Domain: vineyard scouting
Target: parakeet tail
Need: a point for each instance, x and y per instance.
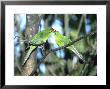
(76, 52)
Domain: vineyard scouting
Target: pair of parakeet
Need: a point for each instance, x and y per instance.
(42, 37)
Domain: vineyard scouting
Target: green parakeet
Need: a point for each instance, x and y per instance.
(63, 40)
(39, 38)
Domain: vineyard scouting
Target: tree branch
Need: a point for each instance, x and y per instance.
(62, 47)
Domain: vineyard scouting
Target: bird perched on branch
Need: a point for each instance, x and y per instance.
(38, 39)
(63, 40)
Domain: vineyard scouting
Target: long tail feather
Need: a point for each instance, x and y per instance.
(76, 52)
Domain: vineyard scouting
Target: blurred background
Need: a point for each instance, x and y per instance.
(62, 62)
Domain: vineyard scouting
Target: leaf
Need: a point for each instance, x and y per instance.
(63, 40)
(41, 37)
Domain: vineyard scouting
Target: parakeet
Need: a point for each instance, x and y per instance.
(39, 38)
(63, 40)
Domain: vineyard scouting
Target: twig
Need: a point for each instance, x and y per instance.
(84, 69)
(81, 23)
(44, 58)
(66, 24)
(51, 71)
(62, 47)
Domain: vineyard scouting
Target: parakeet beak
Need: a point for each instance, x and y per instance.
(54, 30)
